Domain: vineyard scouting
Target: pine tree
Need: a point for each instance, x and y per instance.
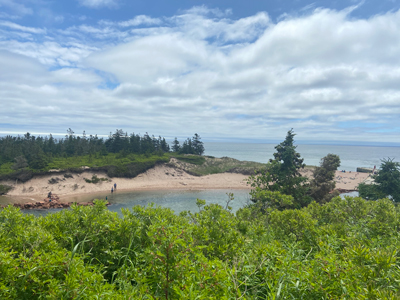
(198, 147)
(283, 175)
(175, 145)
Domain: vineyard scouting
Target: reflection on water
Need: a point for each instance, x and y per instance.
(176, 200)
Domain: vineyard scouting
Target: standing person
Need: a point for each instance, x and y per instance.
(115, 186)
(112, 190)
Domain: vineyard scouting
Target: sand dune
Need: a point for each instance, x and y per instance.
(159, 178)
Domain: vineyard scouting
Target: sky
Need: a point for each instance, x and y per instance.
(227, 70)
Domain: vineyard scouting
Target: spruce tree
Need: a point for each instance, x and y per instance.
(175, 145)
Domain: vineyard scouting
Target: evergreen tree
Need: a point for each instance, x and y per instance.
(282, 174)
(322, 183)
(387, 182)
(198, 147)
(187, 147)
(175, 145)
(20, 163)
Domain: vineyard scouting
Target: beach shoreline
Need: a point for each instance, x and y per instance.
(159, 178)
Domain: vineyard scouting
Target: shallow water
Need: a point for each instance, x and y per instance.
(176, 200)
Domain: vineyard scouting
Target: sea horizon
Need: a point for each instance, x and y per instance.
(351, 156)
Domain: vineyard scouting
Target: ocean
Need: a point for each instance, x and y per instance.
(351, 157)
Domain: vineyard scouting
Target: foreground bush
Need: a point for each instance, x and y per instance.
(346, 249)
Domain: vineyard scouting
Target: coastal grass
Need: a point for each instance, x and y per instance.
(114, 164)
(189, 158)
(131, 165)
(213, 165)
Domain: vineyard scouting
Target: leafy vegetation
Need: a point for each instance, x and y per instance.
(283, 246)
(200, 165)
(4, 189)
(386, 182)
(344, 249)
(191, 159)
(280, 184)
(322, 183)
(95, 179)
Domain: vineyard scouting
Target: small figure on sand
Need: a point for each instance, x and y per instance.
(115, 186)
(112, 190)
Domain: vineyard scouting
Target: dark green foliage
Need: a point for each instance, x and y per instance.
(198, 146)
(266, 199)
(388, 179)
(20, 163)
(54, 180)
(370, 191)
(282, 174)
(387, 182)
(95, 179)
(175, 146)
(190, 146)
(131, 170)
(119, 155)
(323, 179)
(22, 175)
(4, 189)
(192, 159)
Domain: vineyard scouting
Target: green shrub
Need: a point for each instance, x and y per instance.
(345, 249)
(4, 189)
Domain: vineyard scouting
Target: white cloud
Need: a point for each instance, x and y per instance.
(140, 20)
(235, 78)
(99, 3)
(204, 10)
(50, 53)
(17, 8)
(15, 26)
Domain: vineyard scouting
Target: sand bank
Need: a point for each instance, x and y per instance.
(161, 177)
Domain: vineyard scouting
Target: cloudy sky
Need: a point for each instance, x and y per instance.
(225, 69)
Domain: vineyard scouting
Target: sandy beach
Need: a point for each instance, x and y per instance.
(161, 177)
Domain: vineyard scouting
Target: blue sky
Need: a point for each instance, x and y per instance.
(224, 69)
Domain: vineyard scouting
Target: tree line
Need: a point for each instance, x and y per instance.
(36, 151)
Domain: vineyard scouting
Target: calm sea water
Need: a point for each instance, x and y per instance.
(351, 157)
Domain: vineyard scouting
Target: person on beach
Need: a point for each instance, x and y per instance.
(115, 186)
(112, 190)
